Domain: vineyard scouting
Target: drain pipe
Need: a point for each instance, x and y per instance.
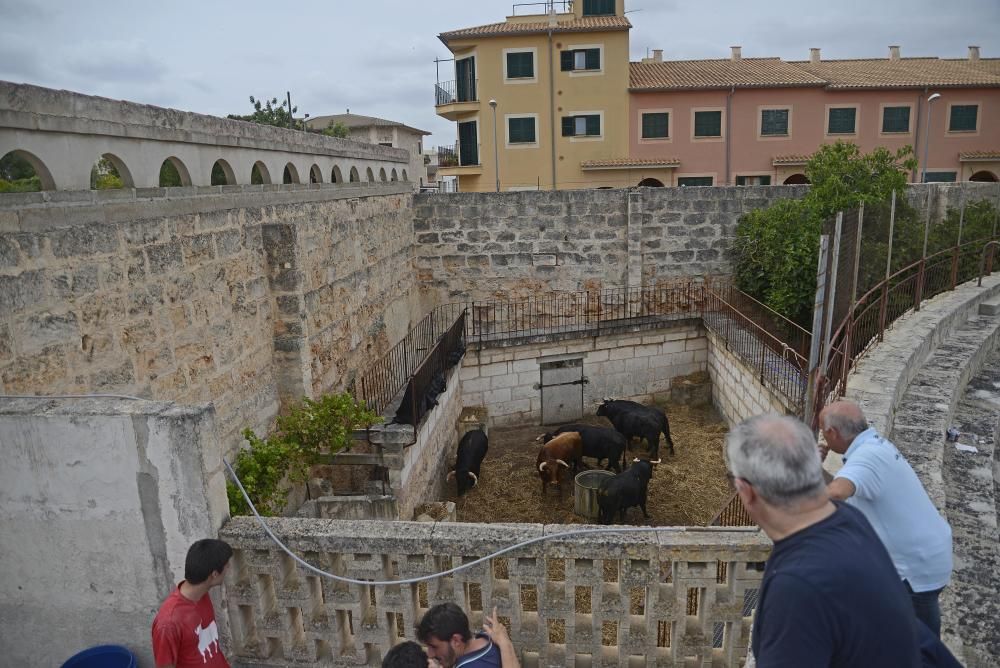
(729, 125)
(552, 99)
(916, 137)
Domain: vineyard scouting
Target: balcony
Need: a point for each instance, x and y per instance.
(459, 159)
(453, 99)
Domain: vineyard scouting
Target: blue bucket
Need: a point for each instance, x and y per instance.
(102, 656)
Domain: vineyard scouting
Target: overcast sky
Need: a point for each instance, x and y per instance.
(376, 57)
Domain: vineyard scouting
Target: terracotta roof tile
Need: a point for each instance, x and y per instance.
(790, 160)
(585, 24)
(695, 74)
(901, 73)
(626, 163)
(978, 156)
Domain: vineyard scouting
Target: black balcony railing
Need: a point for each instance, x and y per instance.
(458, 155)
(531, 8)
(459, 90)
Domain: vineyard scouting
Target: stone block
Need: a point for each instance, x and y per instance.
(496, 396)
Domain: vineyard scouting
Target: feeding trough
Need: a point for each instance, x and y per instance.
(585, 492)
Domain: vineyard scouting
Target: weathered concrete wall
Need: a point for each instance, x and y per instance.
(99, 501)
(485, 246)
(240, 297)
(736, 390)
(636, 365)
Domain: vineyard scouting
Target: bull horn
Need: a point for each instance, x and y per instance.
(655, 461)
(451, 474)
(541, 467)
(540, 438)
(636, 460)
(563, 463)
(475, 480)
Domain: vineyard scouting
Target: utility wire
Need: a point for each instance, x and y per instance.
(450, 571)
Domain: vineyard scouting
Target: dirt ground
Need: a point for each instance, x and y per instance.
(687, 488)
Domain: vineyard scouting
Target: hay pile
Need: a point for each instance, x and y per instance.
(687, 489)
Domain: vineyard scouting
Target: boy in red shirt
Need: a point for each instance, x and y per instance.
(184, 630)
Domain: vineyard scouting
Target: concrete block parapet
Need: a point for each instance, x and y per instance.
(537, 587)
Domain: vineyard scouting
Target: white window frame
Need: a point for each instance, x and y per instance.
(760, 121)
(722, 129)
(534, 65)
(857, 121)
(506, 131)
(656, 140)
(881, 118)
(586, 73)
(584, 138)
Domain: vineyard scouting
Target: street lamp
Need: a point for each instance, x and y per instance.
(496, 147)
(927, 132)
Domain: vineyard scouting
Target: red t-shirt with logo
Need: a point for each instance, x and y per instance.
(185, 633)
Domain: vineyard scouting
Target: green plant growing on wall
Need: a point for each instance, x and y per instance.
(308, 431)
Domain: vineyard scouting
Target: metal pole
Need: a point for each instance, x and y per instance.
(927, 131)
(817, 334)
(884, 297)
(923, 256)
(289, 94)
(496, 147)
(832, 298)
(958, 240)
(892, 224)
(848, 334)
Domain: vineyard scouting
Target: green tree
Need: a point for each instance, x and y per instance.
(337, 129)
(268, 112)
(17, 175)
(105, 176)
(169, 176)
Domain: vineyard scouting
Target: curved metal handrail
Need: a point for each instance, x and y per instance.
(982, 261)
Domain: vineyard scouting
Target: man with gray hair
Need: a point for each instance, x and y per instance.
(830, 595)
(877, 480)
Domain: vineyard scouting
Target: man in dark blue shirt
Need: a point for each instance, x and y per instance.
(830, 594)
(444, 629)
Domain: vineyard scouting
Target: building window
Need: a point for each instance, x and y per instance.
(598, 7)
(581, 126)
(753, 180)
(655, 125)
(385, 143)
(521, 130)
(520, 65)
(580, 59)
(773, 122)
(708, 124)
(694, 180)
(896, 119)
(842, 121)
(939, 177)
(963, 118)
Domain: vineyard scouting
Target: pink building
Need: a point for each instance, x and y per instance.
(756, 120)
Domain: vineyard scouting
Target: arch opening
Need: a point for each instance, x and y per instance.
(405, 177)
(984, 176)
(110, 173)
(290, 175)
(355, 177)
(371, 175)
(335, 175)
(173, 173)
(393, 176)
(23, 172)
(315, 176)
(381, 174)
(222, 174)
(259, 174)
(796, 180)
(650, 182)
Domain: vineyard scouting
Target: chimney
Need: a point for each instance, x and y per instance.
(737, 53)
(658, 55)
(814, 56)
(974, 54)
(893, 53)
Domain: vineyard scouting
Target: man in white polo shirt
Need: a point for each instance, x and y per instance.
(877, 480)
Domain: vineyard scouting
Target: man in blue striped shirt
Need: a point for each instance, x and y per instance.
(444, 629)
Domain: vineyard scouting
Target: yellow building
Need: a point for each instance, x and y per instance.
(561, 75)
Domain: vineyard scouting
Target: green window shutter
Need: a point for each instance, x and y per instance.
(598, 7)
(520, 65)
(741, 180)
(764, 180)
(694, 181)
(593, 125)
(593, 59)
(521, 130)
(940, 177)
(896, 119)
(708, 124)
(566, 61)
(569, 126)
(655, 125)
(774, 122)
(963, 118)
(841, 121)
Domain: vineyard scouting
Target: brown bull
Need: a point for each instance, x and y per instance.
(557, 454)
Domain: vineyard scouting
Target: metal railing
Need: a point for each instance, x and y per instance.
(452, 92)
(532, 8)
(458, 155)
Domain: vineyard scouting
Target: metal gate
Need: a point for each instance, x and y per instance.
(562, 390)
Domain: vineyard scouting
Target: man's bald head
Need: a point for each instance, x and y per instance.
(841, 423)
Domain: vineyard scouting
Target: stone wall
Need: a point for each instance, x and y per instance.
(239, 296)
(99, 501)
(637, 365)
(487, 246)
(736, 389)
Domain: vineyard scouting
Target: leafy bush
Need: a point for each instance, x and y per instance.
(29, 185)
(306, 433)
